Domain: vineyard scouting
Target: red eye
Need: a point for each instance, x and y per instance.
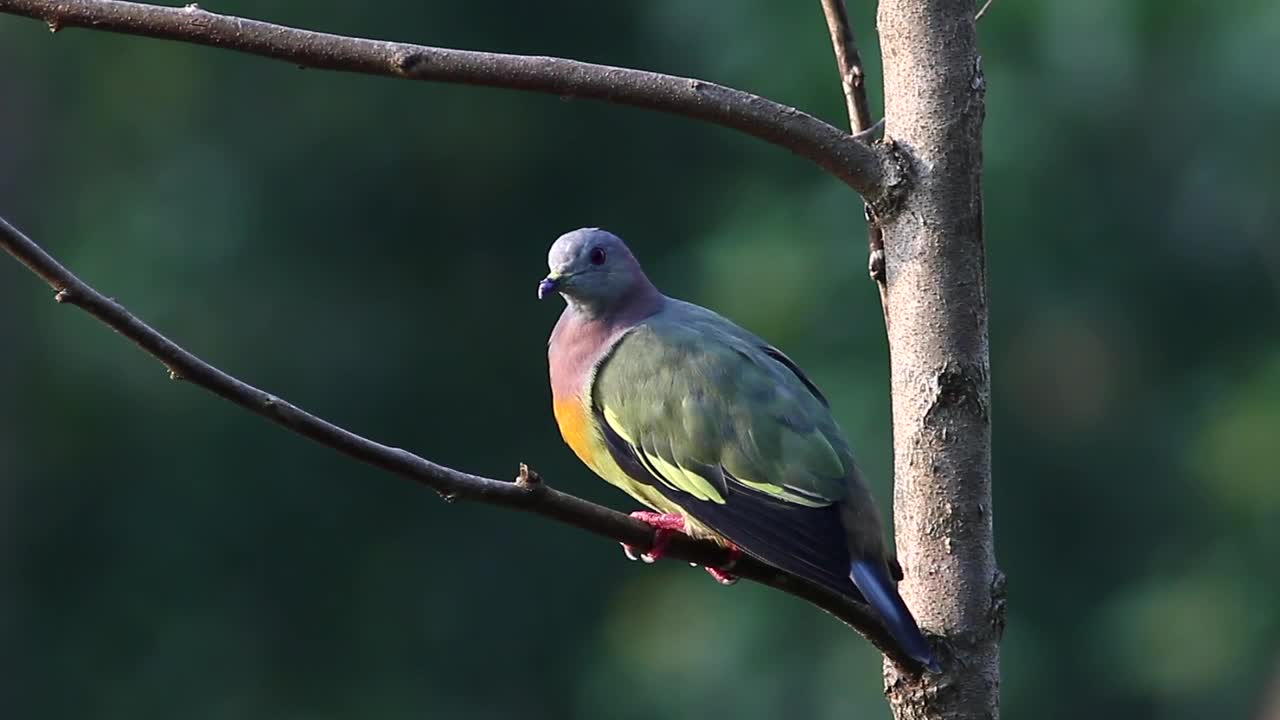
(597, 256)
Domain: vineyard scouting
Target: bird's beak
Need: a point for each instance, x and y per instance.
(547, 286)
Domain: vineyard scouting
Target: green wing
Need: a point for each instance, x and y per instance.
(709, 409)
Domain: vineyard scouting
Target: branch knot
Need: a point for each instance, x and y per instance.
(528, 479)
(410, 61)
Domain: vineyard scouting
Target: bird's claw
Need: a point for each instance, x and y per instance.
(664, 526)
(661, 537)
(722, 575)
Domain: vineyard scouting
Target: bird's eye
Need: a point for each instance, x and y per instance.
(597, 256)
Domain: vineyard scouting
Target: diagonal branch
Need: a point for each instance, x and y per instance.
(853, 162)
(854, 80)
(528, 493)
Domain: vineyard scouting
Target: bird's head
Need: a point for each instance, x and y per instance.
(594, 271)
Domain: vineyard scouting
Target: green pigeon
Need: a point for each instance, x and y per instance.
(715, 429)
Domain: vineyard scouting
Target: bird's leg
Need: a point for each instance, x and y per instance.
(663, 524)
(722, 576)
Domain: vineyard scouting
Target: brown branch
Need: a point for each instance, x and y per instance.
(849, 63)
(528, 492)
(852, 162)
(854, 81)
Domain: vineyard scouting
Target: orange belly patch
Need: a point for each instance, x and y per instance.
(575, 428)
(581, 436)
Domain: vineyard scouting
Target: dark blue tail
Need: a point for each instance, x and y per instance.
(880, 592)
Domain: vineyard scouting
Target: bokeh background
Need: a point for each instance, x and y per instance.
(369, 248)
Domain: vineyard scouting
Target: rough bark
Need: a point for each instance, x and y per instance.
(936, 312)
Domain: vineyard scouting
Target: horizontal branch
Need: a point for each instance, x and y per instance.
(528, 493)
(830, 148)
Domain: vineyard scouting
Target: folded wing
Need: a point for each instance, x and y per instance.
(728, 428)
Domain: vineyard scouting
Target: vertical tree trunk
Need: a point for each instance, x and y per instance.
(936, 312)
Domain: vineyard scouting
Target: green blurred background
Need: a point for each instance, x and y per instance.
(369, 249)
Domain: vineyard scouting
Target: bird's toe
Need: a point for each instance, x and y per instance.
(660, 521)
(661, 537)
(721, 576)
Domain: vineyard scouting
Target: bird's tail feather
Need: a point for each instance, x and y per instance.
(880, 592)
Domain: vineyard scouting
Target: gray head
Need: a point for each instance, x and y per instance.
(595, 272)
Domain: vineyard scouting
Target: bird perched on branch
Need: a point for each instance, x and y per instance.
(715, 429)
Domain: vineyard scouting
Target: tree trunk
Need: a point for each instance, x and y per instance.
(936, 312)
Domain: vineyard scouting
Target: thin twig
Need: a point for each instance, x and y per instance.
(849, 63)
(850, 161)
(529, 492)
(854, 81)
(983, 11)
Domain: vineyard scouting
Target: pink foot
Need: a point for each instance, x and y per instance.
(664, 525)
(661, 521)
(722, 576)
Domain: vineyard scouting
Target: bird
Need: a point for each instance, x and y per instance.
(715, 430)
